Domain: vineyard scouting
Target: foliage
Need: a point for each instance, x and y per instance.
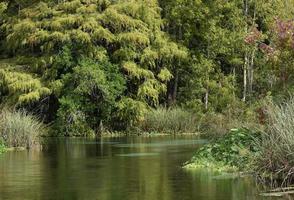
(97, 31)
(223, 65)
(119, 46)
(87, 64)
(237, 114)
(233, 151)
(20, 87)
(19, 129)
(89, 96)
(173, 120)
(130, 112)
(3, 7)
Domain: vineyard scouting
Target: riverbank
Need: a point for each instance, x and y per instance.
(268, 154)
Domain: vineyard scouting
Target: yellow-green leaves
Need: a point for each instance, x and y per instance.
(164, 75)
(3, 6)
(131, 111)
(22, 87)
(127, 33)
(102, 34)
(134, 38)
(120, 22)
(134, 70)
(150, 90)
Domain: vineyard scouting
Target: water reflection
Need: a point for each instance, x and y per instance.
(132, 168)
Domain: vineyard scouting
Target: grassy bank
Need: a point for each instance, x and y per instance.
(19, 129)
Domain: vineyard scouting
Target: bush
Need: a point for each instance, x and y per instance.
(235, 151)
(276, 160)
(173, 120)
(19, 129)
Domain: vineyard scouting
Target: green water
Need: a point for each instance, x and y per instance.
(126, 168)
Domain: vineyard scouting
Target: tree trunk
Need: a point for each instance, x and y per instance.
(206, 99)
(173, 90)
(245, 77)
(175, 87)
(245, 67)
(251, 63)
(251, 73)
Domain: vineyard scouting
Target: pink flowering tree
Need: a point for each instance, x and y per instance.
(280, 51)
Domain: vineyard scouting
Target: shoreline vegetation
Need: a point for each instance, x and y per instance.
(267, 154)
(19, 130)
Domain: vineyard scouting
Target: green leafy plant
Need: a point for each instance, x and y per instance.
(233, 151)
(90, 95)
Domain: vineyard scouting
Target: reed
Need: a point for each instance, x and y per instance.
(175, 120)
(19, 129)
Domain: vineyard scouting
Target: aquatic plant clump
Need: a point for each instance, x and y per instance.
(233, 152)
(19, 129)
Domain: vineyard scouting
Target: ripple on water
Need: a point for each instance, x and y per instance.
(137, 154)
(161, 144)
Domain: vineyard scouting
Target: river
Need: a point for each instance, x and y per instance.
(122, 168)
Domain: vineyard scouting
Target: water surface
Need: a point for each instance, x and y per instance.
(124, 168)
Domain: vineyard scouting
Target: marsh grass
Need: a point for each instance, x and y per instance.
(19, 129)
(276, 161)
(173, 120)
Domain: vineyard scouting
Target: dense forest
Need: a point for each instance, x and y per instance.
(86, 64)
(87, 67)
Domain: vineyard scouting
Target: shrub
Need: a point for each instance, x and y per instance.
(174, 120)
(19, 129)
(276, 160)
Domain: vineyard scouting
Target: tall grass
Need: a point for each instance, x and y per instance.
(164, 120)
(19, 129)
(276, 161)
